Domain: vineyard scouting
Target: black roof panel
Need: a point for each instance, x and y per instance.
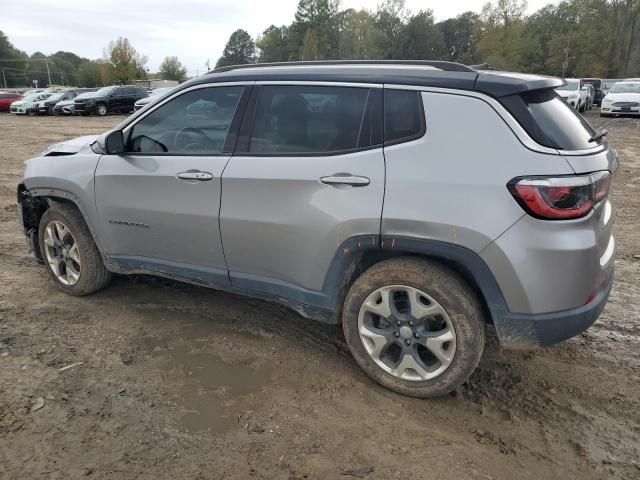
(422, 74)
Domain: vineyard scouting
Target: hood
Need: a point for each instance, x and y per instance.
(623, 97)
(65, 102)
(70, 146)
(19, 103)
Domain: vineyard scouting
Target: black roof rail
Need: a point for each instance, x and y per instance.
(442, 65)
(484, 66)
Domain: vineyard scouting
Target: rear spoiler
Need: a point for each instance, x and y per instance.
(502, 84)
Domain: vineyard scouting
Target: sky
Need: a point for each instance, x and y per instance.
(192, 30)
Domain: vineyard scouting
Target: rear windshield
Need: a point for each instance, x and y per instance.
(596, 83)
(550, 121)
(571, 85)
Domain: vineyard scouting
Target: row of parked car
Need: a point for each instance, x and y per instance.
(614, 97)
(78, 101)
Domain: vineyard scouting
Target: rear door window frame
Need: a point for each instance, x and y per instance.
(249, 121)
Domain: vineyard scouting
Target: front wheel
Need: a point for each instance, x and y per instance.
(414, 326)
(69, 252)
(101, 109)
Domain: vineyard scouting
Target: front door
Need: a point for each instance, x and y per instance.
(158, 204)
(308, 174)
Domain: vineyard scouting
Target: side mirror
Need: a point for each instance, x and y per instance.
(114, 143)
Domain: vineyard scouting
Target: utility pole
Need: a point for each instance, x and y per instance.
(46, 61)
(4, 79)
(565, 64)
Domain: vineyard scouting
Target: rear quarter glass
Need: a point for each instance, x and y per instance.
(550, 121)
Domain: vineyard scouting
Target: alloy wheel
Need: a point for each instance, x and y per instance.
(62, 253)
(407, 333)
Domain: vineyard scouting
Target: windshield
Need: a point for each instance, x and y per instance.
(160, 91)
(31, 97)
(625, 88)
(104, 91)
(56, 96)
(571, 85)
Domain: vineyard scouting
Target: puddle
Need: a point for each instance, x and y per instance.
(211, 392)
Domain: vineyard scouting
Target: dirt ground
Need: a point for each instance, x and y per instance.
(174, 381)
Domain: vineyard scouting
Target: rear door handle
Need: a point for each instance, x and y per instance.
(345, 179)
(195, 175)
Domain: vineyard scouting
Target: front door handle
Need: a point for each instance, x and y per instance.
(195, 175)
(345, 179)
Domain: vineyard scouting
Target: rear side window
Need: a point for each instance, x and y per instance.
(403, 116)
(310, 120)
(550, 121)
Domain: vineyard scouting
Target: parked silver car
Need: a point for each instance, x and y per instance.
(153, 96)
(355, 193)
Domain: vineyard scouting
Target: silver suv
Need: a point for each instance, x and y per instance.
(411, 202)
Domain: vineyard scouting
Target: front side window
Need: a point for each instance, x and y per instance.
(196, 122)
(308, 119)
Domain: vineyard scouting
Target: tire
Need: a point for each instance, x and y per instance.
(90, 270)
(439, 288)
(101, 109)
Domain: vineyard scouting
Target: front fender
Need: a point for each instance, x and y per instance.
(68, 178)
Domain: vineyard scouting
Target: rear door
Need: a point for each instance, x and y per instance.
(307, 175)
(158, 203)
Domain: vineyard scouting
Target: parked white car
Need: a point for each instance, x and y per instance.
(28, 104)
(623, 98)
(574, 93)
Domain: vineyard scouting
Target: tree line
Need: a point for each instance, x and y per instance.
(121, 63)
(573, 38)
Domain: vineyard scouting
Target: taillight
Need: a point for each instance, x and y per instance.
(560, 198)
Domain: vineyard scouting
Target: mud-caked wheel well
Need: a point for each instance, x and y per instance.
(367, 259)
(33, 207)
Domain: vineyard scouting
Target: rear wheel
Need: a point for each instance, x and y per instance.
(414, 326)
(69, 252)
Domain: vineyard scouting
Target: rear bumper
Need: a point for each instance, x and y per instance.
(523, 331)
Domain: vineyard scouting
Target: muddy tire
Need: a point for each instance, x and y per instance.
(414, 326)
(70, 255)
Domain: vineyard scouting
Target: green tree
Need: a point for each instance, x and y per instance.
(240, 49)
(421, 39)
(127, 63)
(11, 64)
(172, 69)
(357, 35)
(274, 44)
(95, 73)
(320, 17)
(391, 18)
(458, 35)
